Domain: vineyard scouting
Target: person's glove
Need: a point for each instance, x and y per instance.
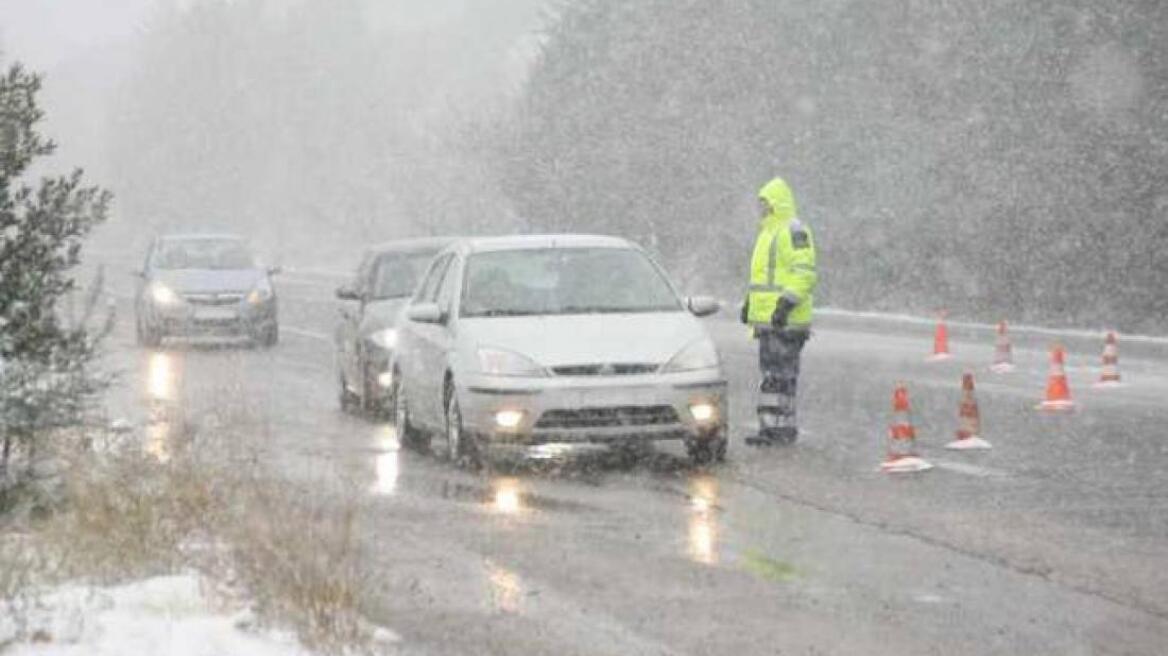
(744, 314)
(782, 311)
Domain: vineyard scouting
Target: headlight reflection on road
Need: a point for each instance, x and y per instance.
(506, 589)
(507, 499)
(160, 383)
(386, 463)
(158, 441)
(703, 526)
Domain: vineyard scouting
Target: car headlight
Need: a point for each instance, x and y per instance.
(700, 354)
(501, 362)
(261, 293)
(703, 412)
(386, 338)
(163, 295)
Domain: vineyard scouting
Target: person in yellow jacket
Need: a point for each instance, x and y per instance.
(778, 307)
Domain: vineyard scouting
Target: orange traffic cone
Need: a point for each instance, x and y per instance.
(969, 420)
(1058, 392)
(1110, 375)
(940, 341)
(1003, 353)
(902, 455)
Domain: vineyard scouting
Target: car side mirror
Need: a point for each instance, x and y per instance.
(703, 306)
(425, 313)
(347, 293)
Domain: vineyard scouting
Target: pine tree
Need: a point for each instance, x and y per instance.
(45, 382)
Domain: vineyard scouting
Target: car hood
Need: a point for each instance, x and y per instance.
(553, 341)
(382, 314)
(210, 280)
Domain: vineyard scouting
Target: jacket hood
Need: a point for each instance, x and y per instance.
(778, 195)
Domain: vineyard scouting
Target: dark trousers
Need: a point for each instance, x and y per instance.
(778, 357)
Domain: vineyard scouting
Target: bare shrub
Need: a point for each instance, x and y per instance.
(128, 514)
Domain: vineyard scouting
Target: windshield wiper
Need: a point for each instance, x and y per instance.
(502, 312)
(607, 309)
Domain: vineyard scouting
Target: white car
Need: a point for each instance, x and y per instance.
(539, 344)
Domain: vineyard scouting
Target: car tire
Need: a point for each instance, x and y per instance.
(371, 405)
(409, 434)
(461, 446)
(147, 337)
(348, 400)
(270, 336)
(707, 450)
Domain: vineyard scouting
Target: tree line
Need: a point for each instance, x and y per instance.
(997, 159)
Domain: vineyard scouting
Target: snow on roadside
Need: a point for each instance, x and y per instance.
(167, 616)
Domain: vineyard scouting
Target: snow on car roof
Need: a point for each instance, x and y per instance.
(410, 245)
(517, 242)
(201, 235)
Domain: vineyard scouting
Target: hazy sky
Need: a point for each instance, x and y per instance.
(43, 33)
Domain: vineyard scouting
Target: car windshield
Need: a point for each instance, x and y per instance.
(397, 274)
(564, 281)
(204, 254)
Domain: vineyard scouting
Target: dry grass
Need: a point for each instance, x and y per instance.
(125, 515)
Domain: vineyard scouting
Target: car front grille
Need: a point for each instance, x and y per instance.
(213, 299)
(610, 369)
(609, 417)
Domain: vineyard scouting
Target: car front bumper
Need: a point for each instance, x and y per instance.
(193, 320)
(548, 413)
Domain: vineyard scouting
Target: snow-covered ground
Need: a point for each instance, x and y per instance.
(171, 615)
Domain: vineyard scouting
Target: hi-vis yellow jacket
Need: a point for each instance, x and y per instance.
(783, 264)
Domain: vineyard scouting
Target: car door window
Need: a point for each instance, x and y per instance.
(361, 278)
(429, 289)
(445, 294)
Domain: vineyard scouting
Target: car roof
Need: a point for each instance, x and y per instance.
(521, 242)
(420, 244)
(201, 235)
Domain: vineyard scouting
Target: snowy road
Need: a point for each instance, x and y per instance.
(1054, 542)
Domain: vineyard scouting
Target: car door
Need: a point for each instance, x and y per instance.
(348, 325)
(144, 277)
(424, 353)
(439, 340)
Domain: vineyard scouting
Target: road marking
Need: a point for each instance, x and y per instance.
(310, 334)
(971, 470)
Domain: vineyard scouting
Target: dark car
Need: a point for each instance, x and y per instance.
(366, 333)
(205, 285)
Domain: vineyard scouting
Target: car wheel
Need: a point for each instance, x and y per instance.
(348, 400)
(460, 445)
(270, 336)
(707, 450)
(371, 404)
(407, 432)
(147, 337)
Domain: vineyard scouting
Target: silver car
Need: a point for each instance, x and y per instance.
(366, 332)
(537, 345)
(205, 285)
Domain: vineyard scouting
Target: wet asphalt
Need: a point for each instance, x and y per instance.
(1055, 541)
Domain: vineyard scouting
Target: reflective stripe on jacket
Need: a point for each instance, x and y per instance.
(783, 263)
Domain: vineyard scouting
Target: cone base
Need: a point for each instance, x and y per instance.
(969, 444)
(939, 357)
(1107, 384)
(905, 465)
(1063, 405)
(1002, 368)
